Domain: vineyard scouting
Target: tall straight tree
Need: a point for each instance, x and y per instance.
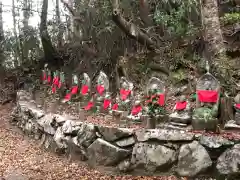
(26, 16)
(1, 35)
(214, 38)
(17, 53)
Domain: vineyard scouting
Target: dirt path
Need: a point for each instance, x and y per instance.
(22, 159)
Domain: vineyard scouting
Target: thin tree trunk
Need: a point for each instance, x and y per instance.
(26, 16)
(49, 51)
(1, 36)
(59, 24)
(17, 49)
(215, 42)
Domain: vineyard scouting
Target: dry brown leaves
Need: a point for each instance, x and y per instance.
(22, 158)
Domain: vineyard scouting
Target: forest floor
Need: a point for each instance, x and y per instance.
(23, 159)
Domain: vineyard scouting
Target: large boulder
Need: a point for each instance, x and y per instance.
(101, 152)
(86, 135)
(163, 135)
(152, 156)
(112, 133)
(229, 162)
(71, 127)
(128, 141)
(193, 159)
(46, 123)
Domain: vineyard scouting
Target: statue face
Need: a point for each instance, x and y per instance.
(182, 98)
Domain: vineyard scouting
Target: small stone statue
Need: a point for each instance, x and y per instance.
(126, 94)
(107, 102)
(136, 111)
(237, 108)
(207, 103)
(181, 111)
(102, 87)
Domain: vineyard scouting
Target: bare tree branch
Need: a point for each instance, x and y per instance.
(131, 29)
(145, 12)
(68, 7)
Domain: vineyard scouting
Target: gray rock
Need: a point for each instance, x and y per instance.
(152, 156)
(232, 125)
(101, 152)
(229, 162)
(70, 127)
(46, 123)
(163, 135)
(193, 159)
(126, 141)
(124, 166)
(86, 135)
(214, 142)
(112, 134)
(60, 138)
(35, 112)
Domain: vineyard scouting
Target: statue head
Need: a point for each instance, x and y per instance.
(182, 98)
(237, 99)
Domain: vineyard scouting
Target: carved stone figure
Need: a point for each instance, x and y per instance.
(234, 124)
(156, 99)
(136, 111)
(102, 87)
(237, 108)
(107, 103)
(207, 103)
(126, 94)
(85, 88)
(181, 111)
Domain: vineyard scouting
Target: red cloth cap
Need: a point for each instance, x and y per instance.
(207, 96)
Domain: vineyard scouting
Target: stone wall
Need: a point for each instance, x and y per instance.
(147, 151)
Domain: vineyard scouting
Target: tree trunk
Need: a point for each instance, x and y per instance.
(26, 16)
(145, 12)
(17, 50)
(215, 43)
(49, 51)
(131, 29)
(59, 24)
(1, 36)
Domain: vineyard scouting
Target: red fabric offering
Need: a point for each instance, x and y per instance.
(124, 93)
(74, 90)
(59, 85)
(237, 106)
(181, 105)
(136, 110)
(207, 96)
(100, 89)
(67, 97)
(84, 90)
(49, 79)
(56, 80)
(106, 103)
(161, 100)
(88, 106)
(44, 77)
(53, 89)
(115, 107)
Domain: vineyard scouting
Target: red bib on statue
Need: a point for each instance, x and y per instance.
(124, 93)
(100, 89)
(207, 96)
(84, 89)
(181, 105)
(89, 106)
(136, 110)
(115, 107)
(106, 103)
(237, 106)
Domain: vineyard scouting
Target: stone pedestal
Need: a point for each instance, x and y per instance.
(202, 124)
(237, 118)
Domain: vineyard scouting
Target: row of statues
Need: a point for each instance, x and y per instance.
(151, 105)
